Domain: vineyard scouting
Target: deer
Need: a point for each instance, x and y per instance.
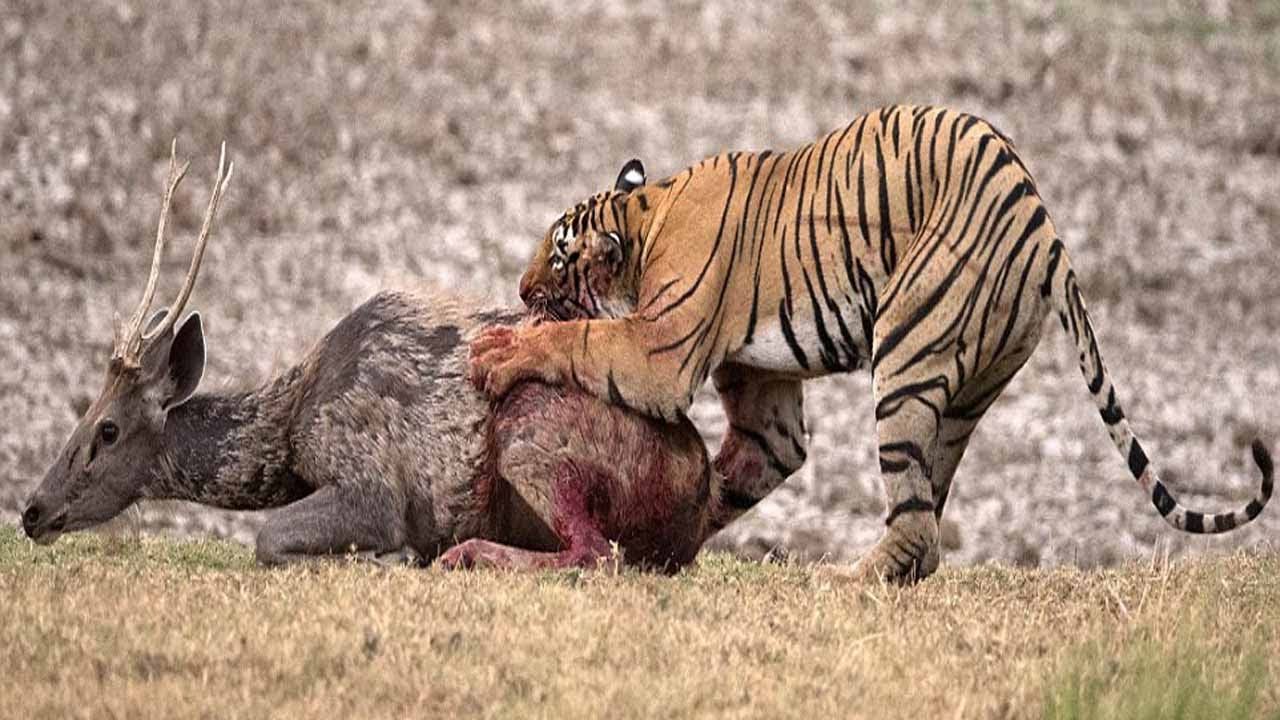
(376, 445)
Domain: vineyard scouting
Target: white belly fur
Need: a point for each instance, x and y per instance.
(769, 350)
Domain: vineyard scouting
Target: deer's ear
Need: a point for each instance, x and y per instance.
(186, 361)
(630, 177)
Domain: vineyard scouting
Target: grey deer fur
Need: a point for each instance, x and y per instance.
(377, 443)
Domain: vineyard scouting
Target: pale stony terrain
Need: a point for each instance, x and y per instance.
(422, 142)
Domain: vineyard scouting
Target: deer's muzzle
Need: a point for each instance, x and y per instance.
(42, 526)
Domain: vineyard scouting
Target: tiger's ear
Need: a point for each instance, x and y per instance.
(631, 176)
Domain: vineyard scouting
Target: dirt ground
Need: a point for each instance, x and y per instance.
(409, 141)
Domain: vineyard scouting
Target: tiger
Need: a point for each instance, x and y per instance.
(911, 242)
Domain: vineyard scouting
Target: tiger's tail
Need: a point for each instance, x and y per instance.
(1063, 293)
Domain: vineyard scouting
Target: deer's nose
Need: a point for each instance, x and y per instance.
(30, 519)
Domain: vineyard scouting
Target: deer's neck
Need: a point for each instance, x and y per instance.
(231, 450)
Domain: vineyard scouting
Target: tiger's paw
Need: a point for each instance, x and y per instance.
(504, 356)
(908, 553)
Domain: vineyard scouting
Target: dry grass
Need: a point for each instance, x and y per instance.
(156, 628)
(405, 139)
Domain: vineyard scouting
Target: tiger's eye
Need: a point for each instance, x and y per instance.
(110, 433)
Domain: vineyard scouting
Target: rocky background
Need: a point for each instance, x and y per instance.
(434, 141)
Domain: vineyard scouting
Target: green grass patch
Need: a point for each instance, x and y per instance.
(125, 549)
(1184, 676)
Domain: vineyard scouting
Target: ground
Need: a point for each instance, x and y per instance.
(107, 627)
(404, 142)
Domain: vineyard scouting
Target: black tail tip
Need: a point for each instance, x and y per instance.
(1263, 459)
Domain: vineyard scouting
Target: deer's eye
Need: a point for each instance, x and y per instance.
(110, 432)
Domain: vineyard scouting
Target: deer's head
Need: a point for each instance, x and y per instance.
(118, 444)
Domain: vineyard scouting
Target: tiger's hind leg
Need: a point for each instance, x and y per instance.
(908, 425)
(953, 440)
(925, 415)
(766, 441)
(961, 418)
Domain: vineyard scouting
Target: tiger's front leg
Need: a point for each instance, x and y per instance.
(502, 356)
(766, 440)
(610, 359)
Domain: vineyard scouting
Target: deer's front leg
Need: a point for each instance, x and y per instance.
(333, 520)
(575, 517)
(586, 554)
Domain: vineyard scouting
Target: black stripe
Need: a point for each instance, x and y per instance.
(827, 352)
(774, 463)
(1263, 460)
(896, 130)
(864, 226)
(855, 153)
(1055, 255)
(1194, 523)
(1161, 498)
(789, 335)
(1112, 414)
(678, 342)
(1138, 461)
(909, 449)
(658, 294)
(888, 251)
(893, 466)
(615, 395)
(1253, 509)
(1017, 299)
(1224, 522)
(911, 199)
(1095, 383)
(846, 241)
(909, 505)
(890, 403)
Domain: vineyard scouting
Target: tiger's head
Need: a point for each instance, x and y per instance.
(580, 267)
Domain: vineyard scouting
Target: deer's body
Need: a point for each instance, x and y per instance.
(376, 443)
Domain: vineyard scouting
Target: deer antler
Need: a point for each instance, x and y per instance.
(129, 344)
